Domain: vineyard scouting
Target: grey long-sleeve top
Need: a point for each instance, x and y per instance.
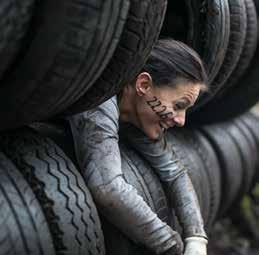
(96, 136)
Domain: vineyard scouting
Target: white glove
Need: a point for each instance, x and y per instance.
(195, 246)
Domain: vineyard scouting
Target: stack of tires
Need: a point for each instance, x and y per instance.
(64, 57)
(68, 56)
(225, 33)
(221, 160)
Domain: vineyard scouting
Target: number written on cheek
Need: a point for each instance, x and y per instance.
(159, 109)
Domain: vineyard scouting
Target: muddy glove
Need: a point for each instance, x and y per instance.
(195, 246)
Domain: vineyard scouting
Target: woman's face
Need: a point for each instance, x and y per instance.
(159, 108)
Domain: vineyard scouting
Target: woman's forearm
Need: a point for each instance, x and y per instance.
(123, 207)
(183, 196)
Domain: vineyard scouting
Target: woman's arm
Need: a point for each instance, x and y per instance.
(162, 158)
(95, 136)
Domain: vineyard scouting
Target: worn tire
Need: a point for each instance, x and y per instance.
(66, 202)
(226, 105)
(251, 121)
(136, 172)
(24, 229)
(15, 20)
(237, 36)
(141, 31)
(241, 136)
(248, 49)
(238, 24)
(205, 26)
(230, 164)
(252, 155)
(210, 30)
(70, 45)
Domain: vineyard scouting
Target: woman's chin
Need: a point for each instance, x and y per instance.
(155, 135)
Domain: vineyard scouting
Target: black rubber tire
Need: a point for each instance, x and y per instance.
(70, 45)
(238, 24)
(66, 201)
(206, 28)
(24, 229)
(248, 49)
(211, 165)
(141, 31)
(230, 164)
(210, 30)
(251, 121)
(252, 155)
(241, 140)
(136, 172)
(140, 175)
(241, 95)
(15, 19)
(237, 36)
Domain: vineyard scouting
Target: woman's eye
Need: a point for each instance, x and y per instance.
(180, 106)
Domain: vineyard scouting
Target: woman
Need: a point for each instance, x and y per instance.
(156, 100)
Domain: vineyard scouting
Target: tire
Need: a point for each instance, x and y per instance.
(65, 35)
(141, 31)
(237, 36)
(238, 97)
(251, 121)
(230, 164)
(211, 165)
(248, 49)
(209, 24)
(205, 27)
(15, 19)
(24, 229)
(66, 202)
(136, 172)
(251, 153)
(140, 175)
(241, 140)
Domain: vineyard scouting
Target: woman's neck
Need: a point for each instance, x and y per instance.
(126, 106)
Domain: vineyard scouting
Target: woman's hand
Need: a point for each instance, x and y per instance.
(195, 246)
(177, 248)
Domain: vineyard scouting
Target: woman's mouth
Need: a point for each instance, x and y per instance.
(163, 127)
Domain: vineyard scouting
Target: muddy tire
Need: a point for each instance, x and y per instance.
(230, 164)
(140, 33)
(24, 229)
(241, 94)
(15, 20)
(238, 23)
(66, 201)
(70, 44)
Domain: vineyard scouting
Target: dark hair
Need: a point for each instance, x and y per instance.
(171, 62)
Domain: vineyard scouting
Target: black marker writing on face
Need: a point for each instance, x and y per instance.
(162, 112)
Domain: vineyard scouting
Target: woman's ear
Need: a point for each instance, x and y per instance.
(143, 83)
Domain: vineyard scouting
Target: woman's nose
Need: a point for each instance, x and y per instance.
(179, 119)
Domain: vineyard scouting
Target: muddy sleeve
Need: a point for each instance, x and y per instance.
(95, 135)
(168, 167)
